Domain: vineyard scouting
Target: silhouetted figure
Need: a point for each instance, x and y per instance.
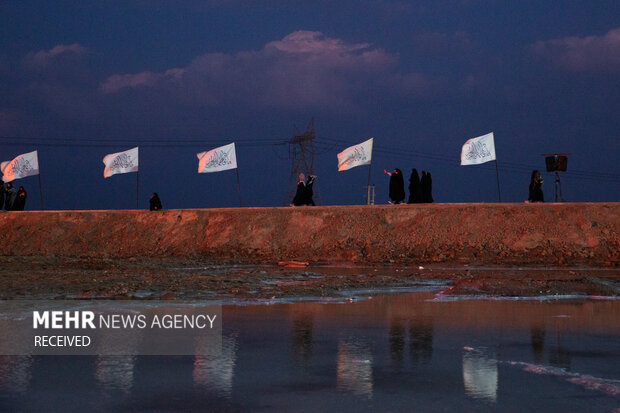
(304, 193)
(309, 192)
(429, 194)
(536, 193)
(20, 199)
(2, 192)
(415, 189)
(298, 199)
(397, 186)
(9, 197)
(155, 202)
(426, 182)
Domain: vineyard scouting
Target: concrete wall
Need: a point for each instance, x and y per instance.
(503, 234)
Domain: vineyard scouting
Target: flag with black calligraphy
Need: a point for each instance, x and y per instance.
(356, 155)
(478, 150)
(24, 165)
(218, 159)
(121, 162)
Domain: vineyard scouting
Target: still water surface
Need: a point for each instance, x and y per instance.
(393, 352)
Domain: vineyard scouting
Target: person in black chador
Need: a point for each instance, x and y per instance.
(309, 192)
(397, 186)
(304, 193)
(300, 195)
(20, 199)
(9, 198)
(426, 182)
(154, 202)
(536, 193)
(415, 189)
(2, 191)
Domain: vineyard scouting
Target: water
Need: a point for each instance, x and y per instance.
(393, 352)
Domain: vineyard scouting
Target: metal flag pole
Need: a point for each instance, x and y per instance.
(368, 185)
(238, 187)
(41, 192)
(499, 195)
(137, 187)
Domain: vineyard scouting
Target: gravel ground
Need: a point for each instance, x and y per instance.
(56, 278)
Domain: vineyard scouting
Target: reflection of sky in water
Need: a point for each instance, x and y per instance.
(115, 372)
(15, 373)
(216, 372)
(354, 367)
(480, 375)
(390, 352)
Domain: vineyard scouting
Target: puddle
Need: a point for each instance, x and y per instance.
(359, 351)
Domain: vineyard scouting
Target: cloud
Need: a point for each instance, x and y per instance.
(43, 57)
(583, 54)
(303, 69)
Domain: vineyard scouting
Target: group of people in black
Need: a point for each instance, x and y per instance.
(420, 188)
(10, 199)
(304, 193)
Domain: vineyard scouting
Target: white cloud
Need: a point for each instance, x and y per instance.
(42, 57)
(591, 53)
(303, 69)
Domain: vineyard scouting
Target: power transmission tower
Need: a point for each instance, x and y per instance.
(301, 152)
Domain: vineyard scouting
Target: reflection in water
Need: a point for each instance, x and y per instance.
(302, 336)
(538, 342)
(480, 375)
(115, 372)
(354, 367)
(216, 372)
(421, 340)
(560, 356)
(15, 373)
(397, 340)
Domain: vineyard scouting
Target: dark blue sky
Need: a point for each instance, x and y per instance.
(81, 79)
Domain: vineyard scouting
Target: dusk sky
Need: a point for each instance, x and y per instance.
(81, 79)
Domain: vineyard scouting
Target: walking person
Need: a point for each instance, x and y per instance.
(309, 192)
(9, 197)
(415, 189)
(300, 195)
(426, 182)
(20, 199)
(397, 186)
(2, 191)
(154, 202)
(536, 193)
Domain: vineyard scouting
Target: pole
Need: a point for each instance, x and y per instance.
(499, 195)
(137, 187)
(368, 185)
(238, 186)
(41, 192)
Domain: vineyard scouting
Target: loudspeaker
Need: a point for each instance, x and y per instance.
(556, 163)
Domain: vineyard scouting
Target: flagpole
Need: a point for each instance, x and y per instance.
(499, 195)
(137, 187)
(368, 185)
(41, 192)
(238, 186)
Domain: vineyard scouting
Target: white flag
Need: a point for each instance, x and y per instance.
(121, 162)
(218, 159)
(355, 155)
(22, 166)
(478, 150)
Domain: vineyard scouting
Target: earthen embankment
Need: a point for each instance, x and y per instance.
(474, 234)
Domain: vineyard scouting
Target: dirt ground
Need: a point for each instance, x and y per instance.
(56, 278)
